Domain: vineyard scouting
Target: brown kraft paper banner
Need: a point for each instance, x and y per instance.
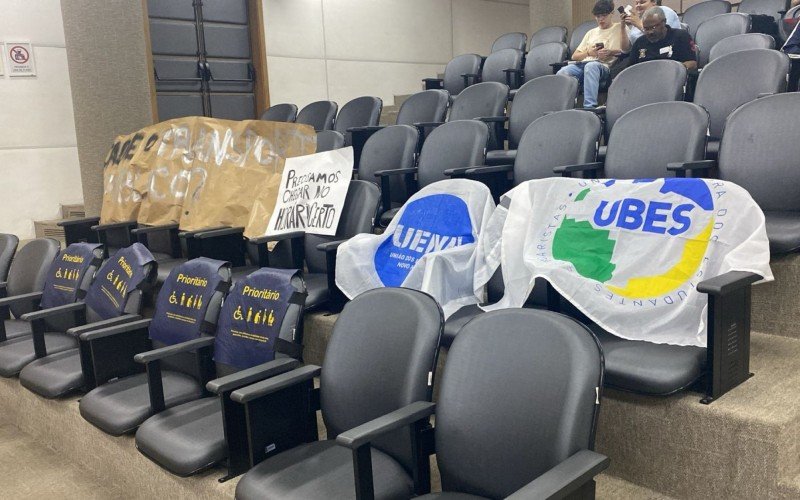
(123, 182)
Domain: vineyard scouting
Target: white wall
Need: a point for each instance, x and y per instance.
(341, 49)
(38, 153)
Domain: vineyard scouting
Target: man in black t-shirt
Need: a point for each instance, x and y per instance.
(662, 42)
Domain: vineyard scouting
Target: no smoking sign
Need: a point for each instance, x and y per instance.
(19, 57)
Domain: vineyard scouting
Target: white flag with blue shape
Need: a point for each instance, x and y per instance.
(428, 246)
(627, 253)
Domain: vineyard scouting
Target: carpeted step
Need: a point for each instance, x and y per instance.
(776, 305)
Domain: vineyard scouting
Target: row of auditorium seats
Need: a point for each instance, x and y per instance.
(195, 399)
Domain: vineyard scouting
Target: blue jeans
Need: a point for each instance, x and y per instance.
(590, 75)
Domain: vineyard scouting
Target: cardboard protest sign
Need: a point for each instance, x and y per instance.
(311, 196)
(627, 253)
(123, 182)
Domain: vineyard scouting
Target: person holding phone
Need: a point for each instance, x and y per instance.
(598, 49)
(633, 20)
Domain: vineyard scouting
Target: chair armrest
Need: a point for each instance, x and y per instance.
(133, 326)
(154, 229)
(372, 128)
(565, 477)
(426, 80)
(77, 331)
(216, 233)
(14, 299)
(599, 110)
(494, 169)
(397, 171)
(275, 384)
(171, 350)
(53, 311)
(513, 70)
(252, 375)
(423, 125)
(192, 234)
(727, 283)
(115, 225)
(680, 168)
(492, 119)
(557, 66)
(585, 167)
(85, 221)
(279, 237)
(330, 246)
(456, 172)
(369, 431)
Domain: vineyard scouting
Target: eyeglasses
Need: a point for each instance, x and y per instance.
(648, 29)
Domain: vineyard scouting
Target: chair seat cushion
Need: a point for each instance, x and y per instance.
(783, 231)
(320, 470)
(16, 353)
(648, 368)
(16, 328)
(501, 157)
(121, 406)
(54, 375)
(317, 289)
(186, 438)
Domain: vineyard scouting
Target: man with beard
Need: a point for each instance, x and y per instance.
(661, 41)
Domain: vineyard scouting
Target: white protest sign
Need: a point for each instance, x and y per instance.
(20, 59)
(312, 193)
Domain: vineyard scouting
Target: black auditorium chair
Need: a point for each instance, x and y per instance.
(402, 356)
(540, 61)
(759, 152)
(645, 140)
(549, 34)
(694, 16)
(757, 72)
(191, 437)
(319, 114)
(738, 43)
(391, 148)
(521, 427)
(56, 373)
(362, 111)
(8, 246)
(578, 33)
(328, 140)
(121, 400)
(280, 113)
(716, 28)
(536, 98)
(453, 81)
(455, 144)
(503, 66)
(22, 289)
(423, 107)
(515, 40)
(300, 250)
(772, 8)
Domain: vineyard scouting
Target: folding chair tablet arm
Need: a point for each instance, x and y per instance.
(36, 319)
(680, 168)
(491, 119)
(84, 221)
(487, 170)
(77, 331)
(112, 331)
(115, 225)
(567, 170)
(336, 298)
(433, 83)
(5, 302)
(252, 375)
(221, 243)
(154, 229)
(77, 230)
(565, 478)
(107, 353)
(141, 234)
(152, 361)
(283, 381)
(216, 233)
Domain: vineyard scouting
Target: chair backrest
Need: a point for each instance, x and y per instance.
(771, 8)
(318, 114)
(280, 113)
(557, 139)
(647, 138)
(717, 28)
(425, 106)
(549, 34)
(389, 148)
(518, 396)
(577, 35)
(28, 271)
(644, 83)
(734, 79)
(537, 97)
(699, 12)
(465, 64)
(328, 140)
(457, 144)
(380, 357)
(480, 100)
(540, 57)
(129, 271)
(759, 151)
(510, 41)
(8, 245)
(497, 62)
(737, 43)
(362, 111)
(358, 216)
(134, 300)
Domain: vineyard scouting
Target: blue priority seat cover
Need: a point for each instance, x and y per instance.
(252, 316)
(123, 273)
(64, 278)
(184, 298)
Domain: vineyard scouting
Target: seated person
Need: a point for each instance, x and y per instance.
(635, 19)
(661, 41)
(598, 49)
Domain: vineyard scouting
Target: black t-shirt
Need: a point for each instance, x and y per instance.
(676, 45)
